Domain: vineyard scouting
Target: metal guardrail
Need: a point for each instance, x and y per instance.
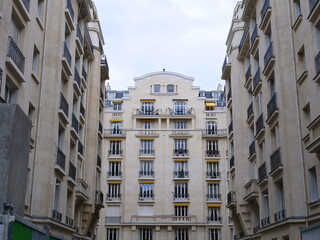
(16, 55)
(61, 159)
(64, 106)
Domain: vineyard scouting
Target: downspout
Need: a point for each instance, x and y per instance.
(297, 112)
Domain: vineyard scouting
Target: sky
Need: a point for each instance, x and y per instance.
(183, 36)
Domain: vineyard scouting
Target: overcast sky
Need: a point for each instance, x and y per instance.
(184, 36)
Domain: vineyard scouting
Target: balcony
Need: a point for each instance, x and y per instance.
(79, 40)
(208, 133)
(75, 127)
(150, 112)
(63, 109)
(248, 75)
(252, 150)
(214, 220)
(56, 215)
(265, 14)
(66, 60)
(226, 68)
(69, 13)
(232, 162)
(114, 133)
(260, 129)
(114, 174)
(112, 220)
(18, 59)
(181, 112)
(213, 175)
(69, 221)
(317, 67)
(272, 109)
(250, 113)
(251, 190)
(213, 197)
(269, 60)
(256, 229)
(77, 82)
(244, 43)
(262, 174)
(180, 133)
(98, 161)
(146, 152)
(280, 216)
(114, 197)
(146, 174)
(257, 83)
(61, 159)
(99, 199)
(148, 132)
(180, 152)
(231, 199)
(314, 7)
(162, 219)
(180, 174)
(254, 40)
(82, 113)
(212, 153)
(88, 46)
(265, 222)
(275, 162)
(115, 153)
(230, 129)
(72, 171)
(180, 196)
(146, 196)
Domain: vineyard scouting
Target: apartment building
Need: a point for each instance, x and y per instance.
(272, 84)
(52, 66)
(166, 163)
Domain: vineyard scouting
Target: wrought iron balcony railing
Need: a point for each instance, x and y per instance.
(115, 153)
(114, 196)
(279, 216)
(252, 148)
(61, 159)
(262, 172)
(269, 54)
(248, 73)
(180, 152)
(265, 8)
(99, 197)
(214, 219)
(256, 78)
(181, 196)
(16, 55)
(98, 161)
(67, 54)
(75, 123)
(180, 174)
(250, 110)
(213, 175)
(254, 34)
(77, 78)
(56, 215)
(64, 106)
(213, 197)
(231, 197)
(212, 153)
(259, 124)
(146, 174)
(275, 159)
(72, 171)
(265, 221)
(149, 152)
(232, 162)
(114, 174)
(79, 34)
(146, 196)
(70, 8)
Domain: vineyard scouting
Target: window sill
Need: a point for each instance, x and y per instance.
(35, 78)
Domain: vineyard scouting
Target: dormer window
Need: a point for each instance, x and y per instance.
(170, 88)
(156, 88)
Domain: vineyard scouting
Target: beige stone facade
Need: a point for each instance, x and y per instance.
(165, 165)
(273, 94)
(52, 66)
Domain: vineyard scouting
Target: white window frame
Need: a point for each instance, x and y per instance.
(146, 191)
(181, 211)
(115, 169)
(147, 108)
(314, 195)
(181, 234)
(112, 233)
(180, 108)
(115, 147)
(145, 234)
(117, 106)
(116, 127)
(214, 214)
(156, 88)
(114, 191)
(146, 147)
(215, 234)
(211, 127)
(213, 190)
(146, 168)
(181, 190)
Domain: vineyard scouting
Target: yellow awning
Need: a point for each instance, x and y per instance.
(181, 204)
(214, 205)
(213, 180)
(146, 181)
(116, 102)
(114, 182)
(147, 138)
(180, 160)
(210, 104)
(114, 120)
(115, 139)
(212, 160)
(147, 100)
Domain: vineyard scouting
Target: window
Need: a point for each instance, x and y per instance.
(214, 214)
(112, 234)
(180, 108)
(116, 128)
(15, 31)
(215, 234)
(313, 185)
(181, 234)
(35, 60)
(212, 149)
(214, 192)
(147, 108)
(145, 234)
(275, 137)
(213, 169)
(40, 9)
(114, 169)
(301, 61)
(117, 106)
(146, 169)
(181, 211)
(114, 191)
(147, 125)
(211, 127)
(253, 170)
(146, 191)
(265, 204)
(180, 147)
(115, 148)
(170, 88)
(156, 88)
(181, 190)
(180, 124)
(259, 103)
(8, 92)
(113, 214)
(279, 195)
(57, 190)
(181, 169)
(146, 147)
